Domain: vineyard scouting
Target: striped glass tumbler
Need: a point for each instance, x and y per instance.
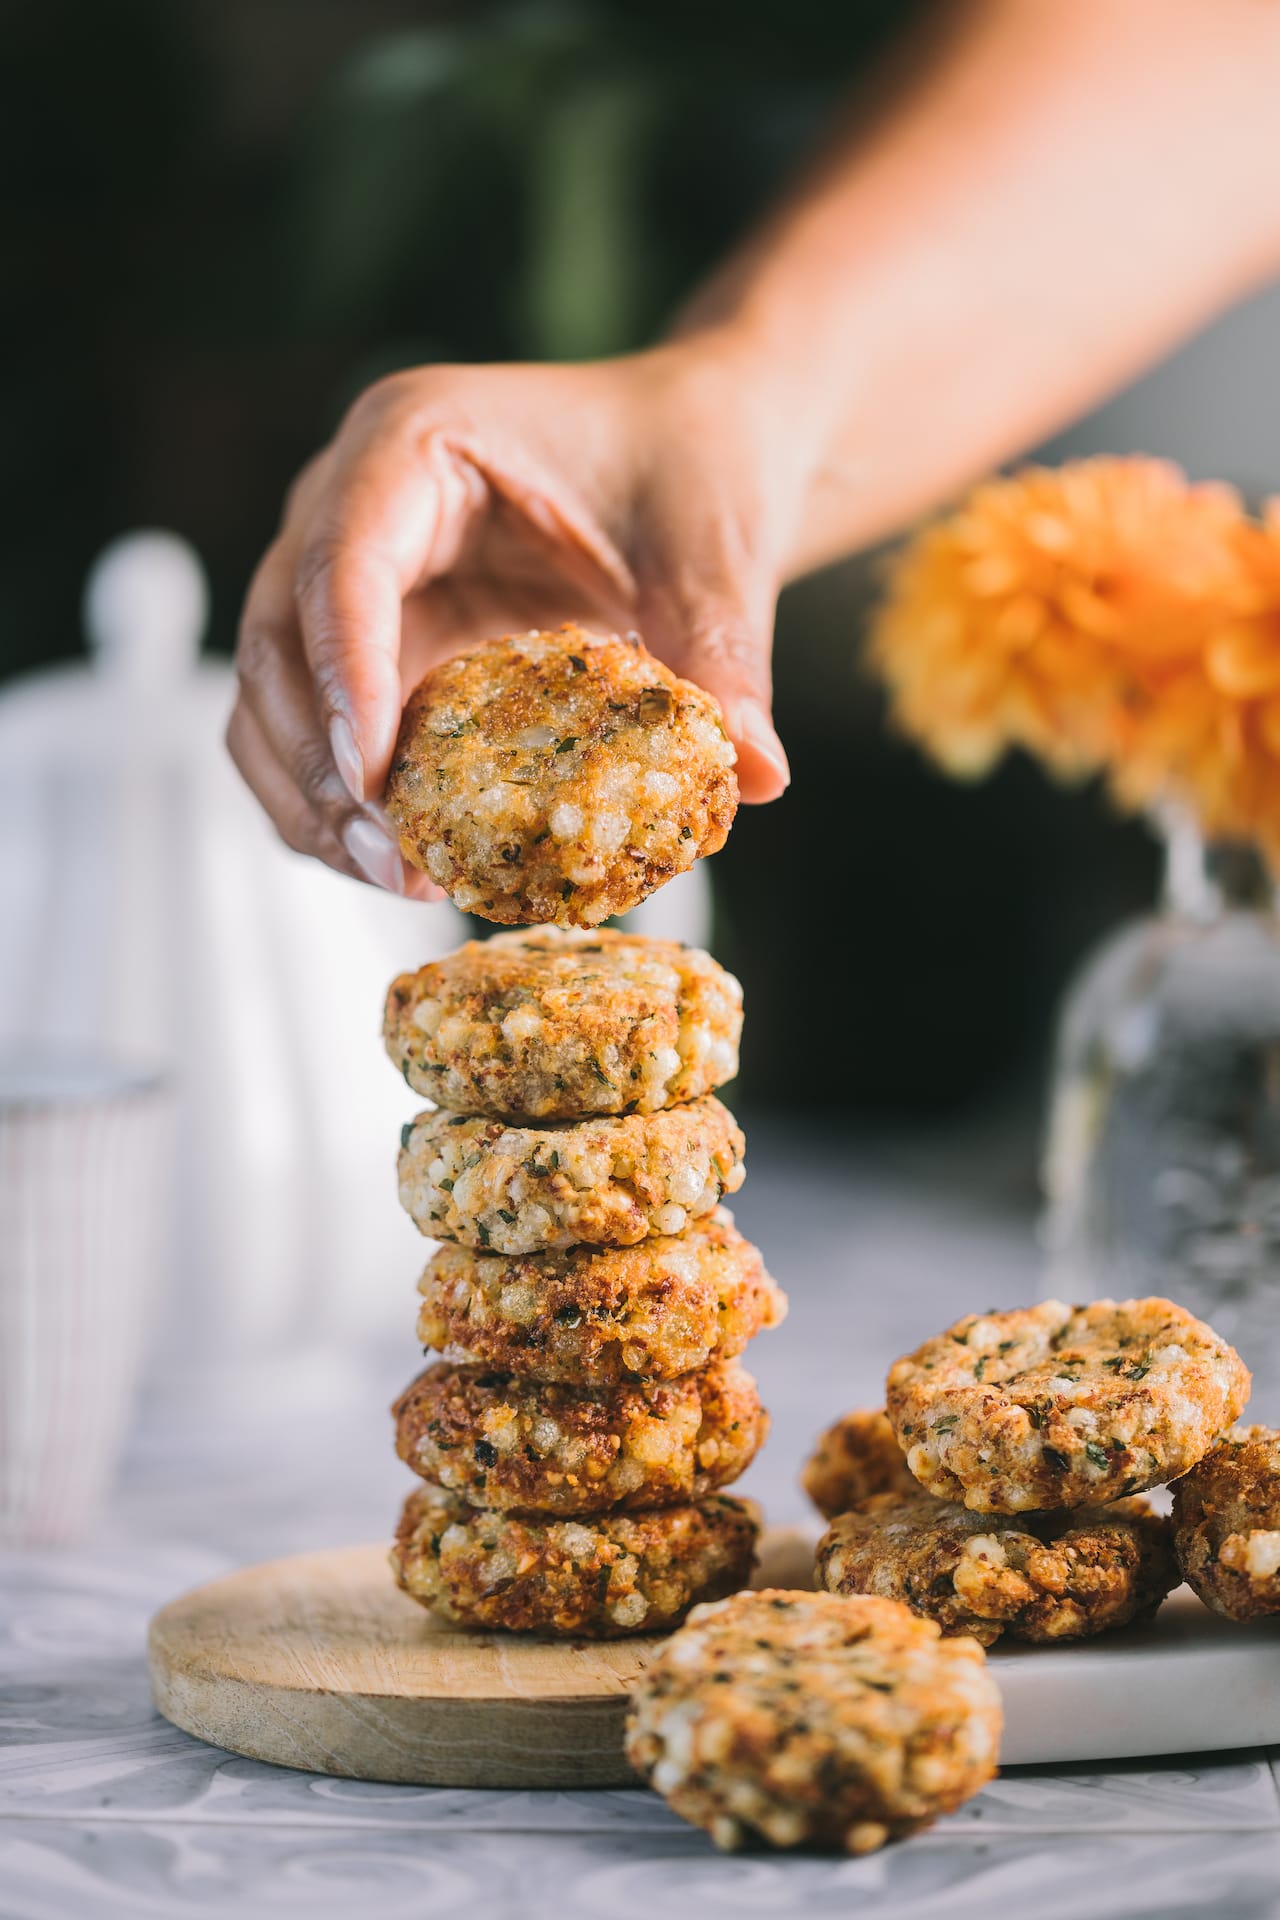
(84, 1193)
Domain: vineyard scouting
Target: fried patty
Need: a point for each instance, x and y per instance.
(1055, 1576)
(599, 1183)
(857, 1456)
(616, 1574)
(1055, 1406)
(593, 1316)
(553, 1025)
(559, 777)
(800, 1719)
(525, 1446)
(1226, 1517)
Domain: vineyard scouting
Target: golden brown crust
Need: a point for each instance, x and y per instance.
(594, 1316)
(527, 1447)
(605, 1182)
(1226, 1516)
(560, 1025)
(1063, 1576)
(857, 1456)
(599, 1579)
(1055, 1406)
(803, 1720)
(559, 777)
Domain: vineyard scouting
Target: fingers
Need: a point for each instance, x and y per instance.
(395, 513)
(305, 832)
(277, 741)
(706, 606)
(298, 826)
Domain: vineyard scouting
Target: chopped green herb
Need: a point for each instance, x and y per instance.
(406, 1134)
(1058, 1461)
(567, 745)
(1099, 1455)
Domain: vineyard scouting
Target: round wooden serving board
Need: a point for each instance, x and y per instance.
(320, 1662)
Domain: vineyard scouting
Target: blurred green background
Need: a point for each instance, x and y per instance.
(228, 215)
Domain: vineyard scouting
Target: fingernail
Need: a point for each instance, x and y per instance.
(374, 854)
(761, 738)
(346, 757)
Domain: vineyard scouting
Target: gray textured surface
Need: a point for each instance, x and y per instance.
(106, 1811)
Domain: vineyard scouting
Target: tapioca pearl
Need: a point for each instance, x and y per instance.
(453, 1031)
(590, 1168)
(518, 1302)
(501, 1427)
(522, 1023)
(427, 1015)
(630, 1610)
(722, 1057)
(493, 803)
(670, 1219)
(625, 1476)
(608, 831)
(499, 1565)
(565, 821)
(666, 1064)
(687, 1185)
(544, 1435)
(537, 1224)
(440, 865)
(470, 1191)
(577, 1541)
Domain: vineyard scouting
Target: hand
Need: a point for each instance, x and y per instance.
(458, 503)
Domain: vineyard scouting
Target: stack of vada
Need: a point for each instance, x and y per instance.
(589, 1295)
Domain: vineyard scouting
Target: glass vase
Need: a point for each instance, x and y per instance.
(1162, 1165)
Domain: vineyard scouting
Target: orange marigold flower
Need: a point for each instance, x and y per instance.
(1051, 608)
(1210, 735)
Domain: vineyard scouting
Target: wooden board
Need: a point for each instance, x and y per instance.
(320, 1662)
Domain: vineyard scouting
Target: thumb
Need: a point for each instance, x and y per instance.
(707, 610)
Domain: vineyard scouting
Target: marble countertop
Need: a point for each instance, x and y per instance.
(108, 1813)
